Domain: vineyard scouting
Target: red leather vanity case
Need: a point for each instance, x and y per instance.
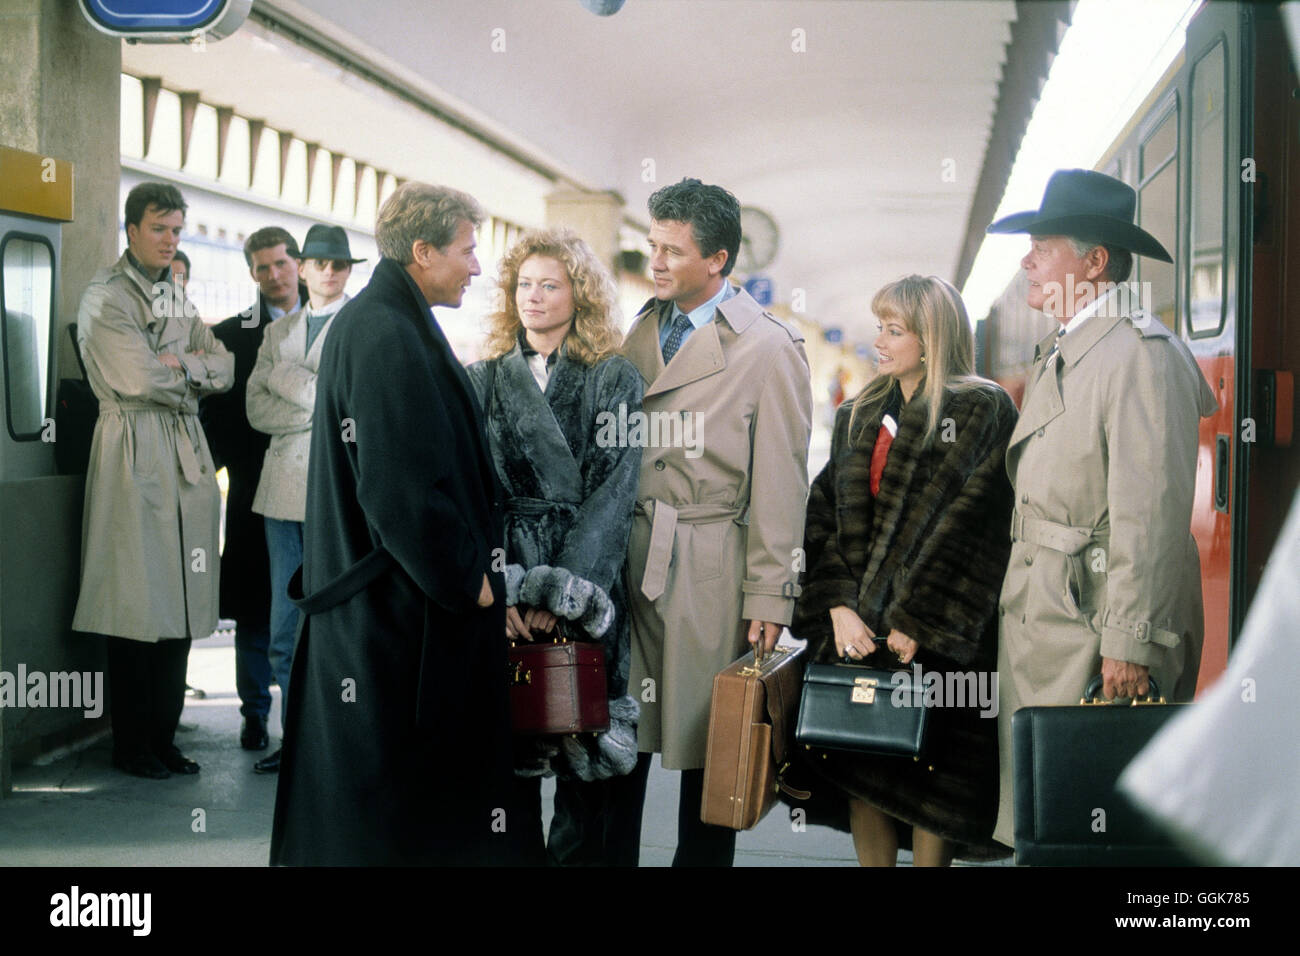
(558, 688)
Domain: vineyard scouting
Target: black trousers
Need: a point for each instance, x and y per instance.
(698, 843)
(580, 828)
(146, 688)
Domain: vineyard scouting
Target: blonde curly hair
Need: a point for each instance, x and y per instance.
(593, 336)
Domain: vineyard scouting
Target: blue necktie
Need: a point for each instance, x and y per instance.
(675, 335)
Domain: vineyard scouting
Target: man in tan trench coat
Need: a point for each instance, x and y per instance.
(720, 506)
(149, 561)
(1104, 576)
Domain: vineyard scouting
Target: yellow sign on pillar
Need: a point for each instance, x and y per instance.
(35, 185)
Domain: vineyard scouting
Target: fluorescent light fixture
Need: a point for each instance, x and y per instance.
(1074, 122)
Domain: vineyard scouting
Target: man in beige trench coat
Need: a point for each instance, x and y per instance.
(720, 506)
(1104, 576)
(149, 560)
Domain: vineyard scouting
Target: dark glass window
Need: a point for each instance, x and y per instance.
(28, 279)
(1207, 115)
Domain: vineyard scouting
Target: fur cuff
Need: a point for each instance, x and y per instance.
(565, 595)
(514, 578)
(611, 754)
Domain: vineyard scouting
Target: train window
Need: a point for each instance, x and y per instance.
(25, 319)
(1158, 215)
(1159, 147)
(1208, 121)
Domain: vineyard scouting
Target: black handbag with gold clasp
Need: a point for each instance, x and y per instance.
(863, 709)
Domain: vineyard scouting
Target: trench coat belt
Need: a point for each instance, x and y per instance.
(189, 458)
(1049, 534)
(663, 527)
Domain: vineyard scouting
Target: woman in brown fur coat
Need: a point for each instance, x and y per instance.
(907, 540)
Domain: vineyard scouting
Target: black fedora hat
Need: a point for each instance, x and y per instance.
(1086, 205)
(326, 242)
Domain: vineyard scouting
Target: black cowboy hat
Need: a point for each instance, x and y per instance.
(326, 242)
(1086, 205)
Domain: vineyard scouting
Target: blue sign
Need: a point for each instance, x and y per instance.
(761, 289)
(133, 18)
(833, 336)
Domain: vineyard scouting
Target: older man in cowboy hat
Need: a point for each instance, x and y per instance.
(281, 398)
(1104, 576)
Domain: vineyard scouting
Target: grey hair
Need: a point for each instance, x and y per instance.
(418, 211)
(1119, 262)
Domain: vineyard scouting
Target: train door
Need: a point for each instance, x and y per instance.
(40, 510)
(1273, 466)
(1214, 274)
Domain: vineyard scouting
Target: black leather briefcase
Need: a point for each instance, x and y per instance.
(862, 709)
(1065, 765)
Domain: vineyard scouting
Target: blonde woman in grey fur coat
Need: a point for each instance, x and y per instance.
(550, 371)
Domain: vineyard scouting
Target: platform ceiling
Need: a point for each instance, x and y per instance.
(860, 126)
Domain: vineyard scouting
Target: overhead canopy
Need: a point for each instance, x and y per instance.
(860, 127)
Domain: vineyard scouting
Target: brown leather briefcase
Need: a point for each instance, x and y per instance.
(750, 725)
(558, 688)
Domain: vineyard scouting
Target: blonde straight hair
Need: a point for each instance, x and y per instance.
(933, 310)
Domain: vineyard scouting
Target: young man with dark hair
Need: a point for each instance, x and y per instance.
(712, 566)
(149, 576)
(240, 449)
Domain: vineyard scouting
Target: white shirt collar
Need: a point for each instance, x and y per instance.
(703, 313)
(1087, 313)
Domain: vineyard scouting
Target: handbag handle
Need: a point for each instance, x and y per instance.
(880, 642)
(564, 633)
(1092, 693)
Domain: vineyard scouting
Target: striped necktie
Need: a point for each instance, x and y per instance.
(1056, 347)
(675, 335)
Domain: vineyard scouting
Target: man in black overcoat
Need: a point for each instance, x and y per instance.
(239, 448)
(397, 745)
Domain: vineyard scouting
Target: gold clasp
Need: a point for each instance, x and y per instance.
(864, 690)
(521, 675)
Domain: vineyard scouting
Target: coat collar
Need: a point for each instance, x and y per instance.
(295, 339)
(702, 354)
(538, 426)
(900, 467)
(125, 267)
(1110, 313)
(1043, 401)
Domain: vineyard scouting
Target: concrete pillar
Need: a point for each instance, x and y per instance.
(60, 96)
(595, 217)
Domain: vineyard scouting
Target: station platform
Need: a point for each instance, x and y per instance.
(76, 810)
